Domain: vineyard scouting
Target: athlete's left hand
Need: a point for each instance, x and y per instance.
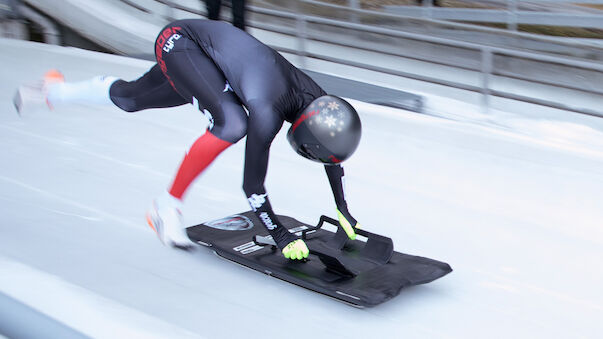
(347, 222)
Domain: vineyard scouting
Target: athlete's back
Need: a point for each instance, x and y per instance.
(258, 74)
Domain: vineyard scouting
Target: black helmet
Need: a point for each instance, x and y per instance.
(327, 131)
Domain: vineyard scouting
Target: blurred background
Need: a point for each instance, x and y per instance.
(548, 53)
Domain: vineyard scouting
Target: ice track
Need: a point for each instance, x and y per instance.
(513, 203)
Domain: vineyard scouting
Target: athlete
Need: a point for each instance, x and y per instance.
(244, 88)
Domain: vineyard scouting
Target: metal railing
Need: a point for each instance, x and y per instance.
(511, 14)
(486, 69)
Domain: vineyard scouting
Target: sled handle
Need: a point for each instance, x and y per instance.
(378, 248)
(267, 240)
(323, 219)
(261, 240)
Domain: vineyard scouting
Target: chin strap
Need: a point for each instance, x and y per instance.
(347, 226)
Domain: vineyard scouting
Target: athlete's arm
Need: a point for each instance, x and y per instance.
(336, 178)
(261, 130)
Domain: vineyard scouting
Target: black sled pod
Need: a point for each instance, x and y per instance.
(362, 273)
(327, 131)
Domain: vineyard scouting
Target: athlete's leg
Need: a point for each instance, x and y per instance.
(197, 79)
(213, 9)
(91, 91)
(238, 13)
(152, 90)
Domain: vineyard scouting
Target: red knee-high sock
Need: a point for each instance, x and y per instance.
(201, 154)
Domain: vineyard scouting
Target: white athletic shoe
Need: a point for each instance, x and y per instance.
(34, 96)
(166, 221)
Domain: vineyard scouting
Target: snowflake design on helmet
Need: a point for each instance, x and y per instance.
(321, 104)
(333, 105)
(330, 121)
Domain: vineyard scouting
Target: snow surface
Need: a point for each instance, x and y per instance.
(511, 201)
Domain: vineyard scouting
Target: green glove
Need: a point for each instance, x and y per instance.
(296, 250)
(347, 226)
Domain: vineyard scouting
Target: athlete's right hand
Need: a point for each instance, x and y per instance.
(296, 250)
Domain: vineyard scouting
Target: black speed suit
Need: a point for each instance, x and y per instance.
(219, 68)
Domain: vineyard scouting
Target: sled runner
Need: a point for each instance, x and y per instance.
(361, 273)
